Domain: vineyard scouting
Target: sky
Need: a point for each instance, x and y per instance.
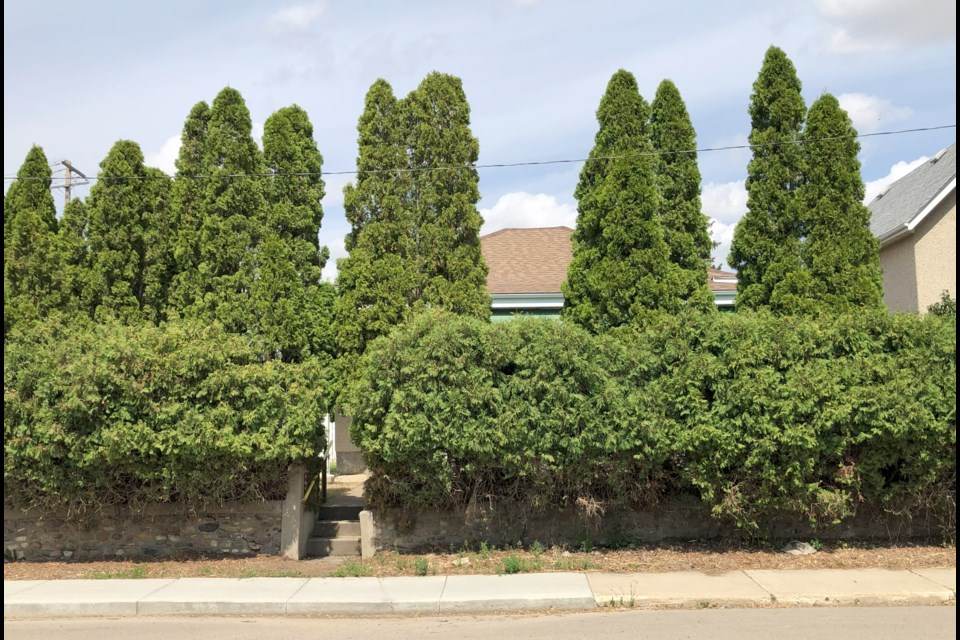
(79, 76)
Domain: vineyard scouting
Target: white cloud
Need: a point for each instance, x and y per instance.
(726, 202)
(522, 209)
(897, 171)
(165, 158)
(256, 130)
(869, 113)
(869, 25)
(337, 250)
(333, 189)
(722, 234)
(296, 18)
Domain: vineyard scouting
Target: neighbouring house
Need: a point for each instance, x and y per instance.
(528, 266)
(915, 220)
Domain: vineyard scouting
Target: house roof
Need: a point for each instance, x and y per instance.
(719, 280)
(536, 260)
(527, 260)
(902, 205)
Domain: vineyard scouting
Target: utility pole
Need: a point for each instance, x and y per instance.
(68, 179)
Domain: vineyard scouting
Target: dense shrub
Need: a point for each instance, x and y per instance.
(186, 413)
(758, 415)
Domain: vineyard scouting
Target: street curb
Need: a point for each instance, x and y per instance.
(473, 594)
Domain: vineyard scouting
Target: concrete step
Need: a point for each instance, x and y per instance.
(336, 528)
(340, 512)
(343, 546)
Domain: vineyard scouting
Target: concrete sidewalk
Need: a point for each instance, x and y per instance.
(459, 594)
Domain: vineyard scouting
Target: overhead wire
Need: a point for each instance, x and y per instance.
(499, 165)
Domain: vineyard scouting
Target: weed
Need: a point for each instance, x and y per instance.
(485, 550)
(536, 548)
(352, 569)
(703, 604)
(816, 544)
(269, 573)
(136, 573)
(511, 564)
(421, 566)
(205, 571)
(586, 544)
(623, 602)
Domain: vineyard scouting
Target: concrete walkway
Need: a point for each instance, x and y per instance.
(461, 594)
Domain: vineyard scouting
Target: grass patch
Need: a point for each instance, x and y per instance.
(353, 569)
(136, 573)
(421, 566)
(271, 573)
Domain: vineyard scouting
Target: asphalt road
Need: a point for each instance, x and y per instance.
(900, 623)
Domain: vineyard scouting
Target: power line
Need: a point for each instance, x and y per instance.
(502, 165)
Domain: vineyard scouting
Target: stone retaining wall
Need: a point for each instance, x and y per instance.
(155, 531)
(678, 520)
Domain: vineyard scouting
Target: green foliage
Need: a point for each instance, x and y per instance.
(377, 281)
(766, 240)
(839, 257)
(187, 196)
(946, 306)
(758, 415)
(353, 569)
(98, 415)
(74, 247)
(452, 273)
(229, 213)
(421, 566)
(32, 266)
(414, 240)
(511, 564)
(292, 303)
(122, 215)
(621, 269)
(685, 227)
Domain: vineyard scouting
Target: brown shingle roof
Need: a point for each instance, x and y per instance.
(728, 280)
(527, 260)
(536, 260)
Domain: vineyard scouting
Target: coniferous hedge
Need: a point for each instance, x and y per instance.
(758, 415)
(98, 415)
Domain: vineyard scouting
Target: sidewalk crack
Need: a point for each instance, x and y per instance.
(773, 597)
(147, 595)
(442, 591)
(286, 602)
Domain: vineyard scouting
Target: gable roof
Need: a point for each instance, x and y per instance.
(535, 261)
(903, 205)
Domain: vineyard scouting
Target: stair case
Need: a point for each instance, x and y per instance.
(336, 532)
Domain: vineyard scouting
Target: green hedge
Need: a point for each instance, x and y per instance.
(758, 415)
(119, 415)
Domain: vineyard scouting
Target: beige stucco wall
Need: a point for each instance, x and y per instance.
(936, 253)
(921, 265)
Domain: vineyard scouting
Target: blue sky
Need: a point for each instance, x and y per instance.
(79, 76)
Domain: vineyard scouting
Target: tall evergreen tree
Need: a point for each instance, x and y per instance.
(32, 264)
(378, 281)
(685, 228)
(621, 266)
(766, 242)
(186, 200)
(159, 239)
(230, 210)
(293, 303)
(124, 213)
(839, 255)
(74, 249)
(447, 250)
